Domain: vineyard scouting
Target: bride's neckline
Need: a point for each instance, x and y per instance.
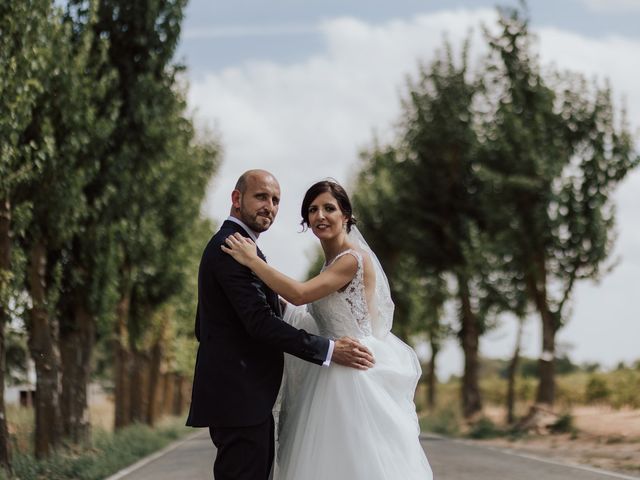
(329, 262)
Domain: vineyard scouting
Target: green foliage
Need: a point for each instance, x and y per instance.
(597, 390)
(110, 453)
(444, 421)
(317, 262)
(17, 353)
(24, 53)
(553, 150)
(625, 385)
(24, 57)
(484, 428)
(616, 388)
(564, 424)
(156, 170)
(504, 180)
(101, 164)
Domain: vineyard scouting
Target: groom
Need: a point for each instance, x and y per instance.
(242, 337)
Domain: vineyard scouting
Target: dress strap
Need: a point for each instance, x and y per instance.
(350, 251)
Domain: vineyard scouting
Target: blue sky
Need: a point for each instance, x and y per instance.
(299, 88)
(219, 34)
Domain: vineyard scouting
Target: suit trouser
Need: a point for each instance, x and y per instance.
(244, 453)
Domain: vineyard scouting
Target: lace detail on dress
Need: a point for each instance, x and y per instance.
(345, 312)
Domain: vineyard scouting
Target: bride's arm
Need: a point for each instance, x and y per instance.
(339, 274)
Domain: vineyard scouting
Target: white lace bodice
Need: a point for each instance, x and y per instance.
(344, 313)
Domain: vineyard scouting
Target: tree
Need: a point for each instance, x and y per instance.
(377, 206)
(419, 295)
(86, 256)
(64, 124)
(23, 55)
(434, 295)
(50, 130)
(142, 39)
(553, 152)
(175, 215)
(441, 195)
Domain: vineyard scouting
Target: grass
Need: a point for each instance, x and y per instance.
(616, 389)
(443, 421)
(110, 453)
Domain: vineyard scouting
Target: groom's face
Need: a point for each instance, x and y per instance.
(258, 205)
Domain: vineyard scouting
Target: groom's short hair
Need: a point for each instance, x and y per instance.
(241, 184)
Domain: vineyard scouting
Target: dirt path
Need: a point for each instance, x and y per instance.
(605, 438)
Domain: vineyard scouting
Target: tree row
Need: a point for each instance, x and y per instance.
(494, 196)
(102, 176)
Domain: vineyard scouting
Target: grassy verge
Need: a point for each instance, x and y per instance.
(110, 452)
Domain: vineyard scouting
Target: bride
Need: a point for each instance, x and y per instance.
(341, 423)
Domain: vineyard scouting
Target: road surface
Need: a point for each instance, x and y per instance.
(192, 459)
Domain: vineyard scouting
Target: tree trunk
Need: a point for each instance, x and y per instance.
(122, 365)
(155, 383)
(431, 376)
(43, 335)
(180, 398)
(537, 284)
(76, 347)
(5, 269)
(511, 374)
(547, 365)
(139, 387)
(469, 340)
(168, 393)
(400, 325)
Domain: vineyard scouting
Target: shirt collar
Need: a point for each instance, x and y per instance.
(254, 235)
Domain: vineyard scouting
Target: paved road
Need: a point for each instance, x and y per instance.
(451, 460)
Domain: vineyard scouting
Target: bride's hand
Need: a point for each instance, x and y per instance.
(242, 249)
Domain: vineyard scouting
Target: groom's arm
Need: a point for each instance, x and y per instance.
(245, 293)
(299, 317)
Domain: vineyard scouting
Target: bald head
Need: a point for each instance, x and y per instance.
(253, 176)
(255, 199)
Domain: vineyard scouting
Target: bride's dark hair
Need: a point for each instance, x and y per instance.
(336, 191)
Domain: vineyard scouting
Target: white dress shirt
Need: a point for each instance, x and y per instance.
(254, 236)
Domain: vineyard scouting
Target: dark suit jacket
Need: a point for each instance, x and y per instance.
(242, 337)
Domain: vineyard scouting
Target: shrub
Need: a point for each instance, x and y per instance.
(625, 388)
(564, 424)
(597, 390)
(444, 421)
(111, 452)
(484, 428)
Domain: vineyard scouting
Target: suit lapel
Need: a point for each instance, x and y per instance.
(272, 297)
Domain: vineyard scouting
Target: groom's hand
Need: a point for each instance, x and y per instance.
(348, 352)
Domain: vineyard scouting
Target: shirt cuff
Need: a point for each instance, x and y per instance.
(327, 362)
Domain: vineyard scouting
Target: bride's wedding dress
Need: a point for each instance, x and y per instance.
(340, 423)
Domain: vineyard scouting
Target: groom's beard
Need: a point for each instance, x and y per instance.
(258, 222)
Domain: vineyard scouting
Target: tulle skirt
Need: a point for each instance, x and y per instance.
(340, 423)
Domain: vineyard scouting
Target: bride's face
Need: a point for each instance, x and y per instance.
(325, 217)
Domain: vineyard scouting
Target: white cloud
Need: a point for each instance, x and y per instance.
(232, 31)
(307, 121)
(614, 6)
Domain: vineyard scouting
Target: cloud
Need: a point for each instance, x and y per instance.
(308, 120)
(234, 31)
(613, 6)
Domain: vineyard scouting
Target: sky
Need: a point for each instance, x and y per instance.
(300, 88)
